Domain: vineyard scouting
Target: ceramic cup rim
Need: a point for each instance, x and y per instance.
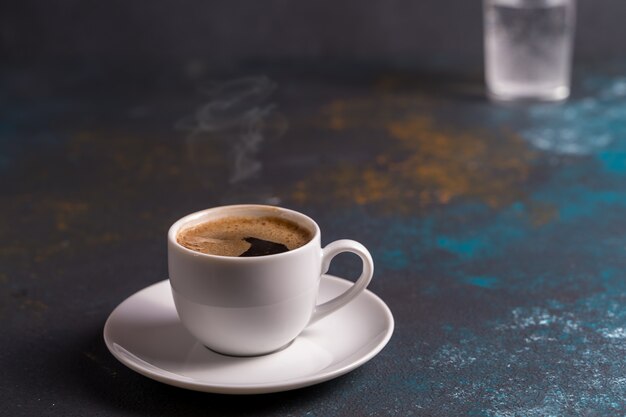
(302, 220)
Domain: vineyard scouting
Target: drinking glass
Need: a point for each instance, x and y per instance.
(528, 48)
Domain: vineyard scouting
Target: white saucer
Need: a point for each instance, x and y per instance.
(144, 334)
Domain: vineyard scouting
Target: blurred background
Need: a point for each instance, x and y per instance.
(149, 39)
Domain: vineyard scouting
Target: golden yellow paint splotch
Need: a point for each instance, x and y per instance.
(421, 163)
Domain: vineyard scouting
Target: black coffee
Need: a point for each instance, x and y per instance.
(244, 236)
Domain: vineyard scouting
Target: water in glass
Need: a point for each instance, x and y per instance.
(528, 48)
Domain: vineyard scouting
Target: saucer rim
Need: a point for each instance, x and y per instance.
(252, 388)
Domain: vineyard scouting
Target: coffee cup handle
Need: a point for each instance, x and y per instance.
(328, 253)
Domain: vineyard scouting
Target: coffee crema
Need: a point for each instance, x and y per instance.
(244, 236)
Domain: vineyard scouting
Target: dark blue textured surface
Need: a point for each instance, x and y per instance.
(498, 235)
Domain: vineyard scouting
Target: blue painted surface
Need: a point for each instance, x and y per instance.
(507, 302)
(535, 323)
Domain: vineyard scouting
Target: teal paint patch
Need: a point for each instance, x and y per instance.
(482, 282)
(613, 162)
(399, 243)
(394, 259)
(580, 126)
(466, 248)
(585, 202)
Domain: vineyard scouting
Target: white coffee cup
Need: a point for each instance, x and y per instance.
(246, 306)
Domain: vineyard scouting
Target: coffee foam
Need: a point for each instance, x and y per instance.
(225, 236)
